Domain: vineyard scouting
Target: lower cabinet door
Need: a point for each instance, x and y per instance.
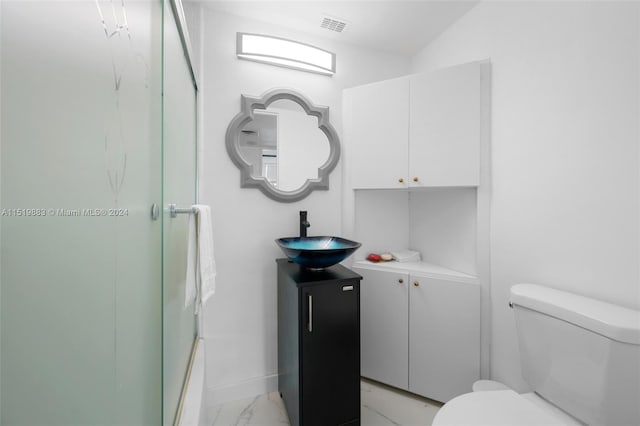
(330, 359)
(384, 343)
(444, 337)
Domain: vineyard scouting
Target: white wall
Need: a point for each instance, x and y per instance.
(565, 160)
(381, 221)
(240, 320)
(443, 224)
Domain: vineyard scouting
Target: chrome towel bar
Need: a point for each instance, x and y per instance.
(175, 211)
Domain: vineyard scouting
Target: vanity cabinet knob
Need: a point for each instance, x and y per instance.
(401, 180)
(400, 280)
(415, 179)
(416, 283)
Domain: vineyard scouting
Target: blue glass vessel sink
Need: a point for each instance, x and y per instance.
(317, 252)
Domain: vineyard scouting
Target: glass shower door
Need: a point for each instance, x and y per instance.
(80, 260)
(179, 139)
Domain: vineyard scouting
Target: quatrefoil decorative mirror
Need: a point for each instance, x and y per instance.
(283, 144)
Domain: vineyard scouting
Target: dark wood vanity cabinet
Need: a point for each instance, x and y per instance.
(319, 344)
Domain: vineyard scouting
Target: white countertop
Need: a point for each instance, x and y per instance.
(426, 269)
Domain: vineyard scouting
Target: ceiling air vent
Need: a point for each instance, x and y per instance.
(333, 24)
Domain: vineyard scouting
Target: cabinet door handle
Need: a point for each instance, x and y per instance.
(415, 179)
(400, 280)
(347, 288)
(416, 283)
(401, 180)
(310, 319)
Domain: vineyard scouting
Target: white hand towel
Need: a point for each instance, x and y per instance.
(201, 265)
(192, 263)
(206, 260)
(406, 255)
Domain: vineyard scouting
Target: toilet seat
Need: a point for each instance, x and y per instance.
(495, 408)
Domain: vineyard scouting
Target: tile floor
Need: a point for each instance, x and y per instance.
(381, 406)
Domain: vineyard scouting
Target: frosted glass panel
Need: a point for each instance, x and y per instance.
(80, 256)
(179, 126)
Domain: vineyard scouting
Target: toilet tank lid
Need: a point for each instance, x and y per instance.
(612, 321)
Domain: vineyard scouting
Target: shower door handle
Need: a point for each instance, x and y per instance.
(155, 211)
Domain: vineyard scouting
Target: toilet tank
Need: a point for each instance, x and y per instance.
(580, 354)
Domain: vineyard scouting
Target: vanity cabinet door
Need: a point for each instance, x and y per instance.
(444, 135)
(330, 358)
(384, 326)
(377, 134)
(444, 340)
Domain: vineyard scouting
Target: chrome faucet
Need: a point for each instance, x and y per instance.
(304, 223)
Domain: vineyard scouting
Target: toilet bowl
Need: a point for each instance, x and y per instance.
(580, 356)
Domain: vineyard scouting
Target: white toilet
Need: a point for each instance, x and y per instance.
(580, 356)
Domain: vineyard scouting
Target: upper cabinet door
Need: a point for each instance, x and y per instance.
(377, 130)
(444, 135)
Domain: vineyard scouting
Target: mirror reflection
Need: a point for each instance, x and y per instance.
(284, 145)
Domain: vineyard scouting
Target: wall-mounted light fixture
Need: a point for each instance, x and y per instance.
(285, 53)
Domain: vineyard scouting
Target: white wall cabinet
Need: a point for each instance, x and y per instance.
(427, 135)
(414, 131)
(420, 328)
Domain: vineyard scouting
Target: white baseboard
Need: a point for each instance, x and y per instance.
(247, 389)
